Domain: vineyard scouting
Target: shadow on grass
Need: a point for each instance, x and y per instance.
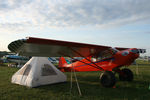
(91, 88)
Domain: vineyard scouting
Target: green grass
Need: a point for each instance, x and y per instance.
(89, 83)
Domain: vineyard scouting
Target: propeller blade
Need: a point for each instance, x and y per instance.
(141, 50)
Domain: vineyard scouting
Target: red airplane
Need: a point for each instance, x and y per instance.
(96, 57)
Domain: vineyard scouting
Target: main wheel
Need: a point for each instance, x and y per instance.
(108, 79)
(126, 75)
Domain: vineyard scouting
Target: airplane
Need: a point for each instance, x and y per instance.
(15, 59)
(53, 60)
(95, 57)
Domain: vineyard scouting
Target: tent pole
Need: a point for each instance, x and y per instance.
(72, 69)
(71, 81)
(77, 83)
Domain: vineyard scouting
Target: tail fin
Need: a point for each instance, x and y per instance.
(62, 61)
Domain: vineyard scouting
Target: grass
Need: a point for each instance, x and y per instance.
(89, 83)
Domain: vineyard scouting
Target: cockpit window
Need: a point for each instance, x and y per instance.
(134, 51)
(114, 50)
(107, 53)
(125, 53)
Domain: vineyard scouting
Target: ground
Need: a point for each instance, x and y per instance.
(91, 89)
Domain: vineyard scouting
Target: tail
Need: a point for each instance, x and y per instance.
(62, 62)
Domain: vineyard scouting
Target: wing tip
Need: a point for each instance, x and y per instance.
(15, 45)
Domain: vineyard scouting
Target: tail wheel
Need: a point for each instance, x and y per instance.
(108, 79)
(126, 75)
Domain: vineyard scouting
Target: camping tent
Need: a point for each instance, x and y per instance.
(38, 71)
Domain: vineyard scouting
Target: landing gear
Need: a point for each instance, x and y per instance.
(126, 75)
(108, 79)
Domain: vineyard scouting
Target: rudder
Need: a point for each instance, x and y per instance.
(62, 61)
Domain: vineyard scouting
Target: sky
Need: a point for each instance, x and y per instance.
(116, 23)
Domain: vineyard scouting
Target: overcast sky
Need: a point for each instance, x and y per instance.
(121, 23)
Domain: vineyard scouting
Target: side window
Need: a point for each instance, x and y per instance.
(25, 70)
(105, 54)
(47, 70)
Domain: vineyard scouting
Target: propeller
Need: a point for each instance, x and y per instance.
(141, 50)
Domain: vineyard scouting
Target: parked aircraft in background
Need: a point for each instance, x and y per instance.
(18, 60)
(53, 60)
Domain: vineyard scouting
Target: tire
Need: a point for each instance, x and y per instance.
(108, 79)
(127, 75)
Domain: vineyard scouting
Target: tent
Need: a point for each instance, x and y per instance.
(38, 71)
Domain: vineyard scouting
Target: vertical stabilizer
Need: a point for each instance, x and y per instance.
(62, 62)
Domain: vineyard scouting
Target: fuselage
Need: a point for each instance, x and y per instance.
(108, 63)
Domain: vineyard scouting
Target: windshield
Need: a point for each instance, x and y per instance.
(108, 53)
(114, 50)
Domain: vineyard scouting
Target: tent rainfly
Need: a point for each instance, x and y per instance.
(38, 71)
